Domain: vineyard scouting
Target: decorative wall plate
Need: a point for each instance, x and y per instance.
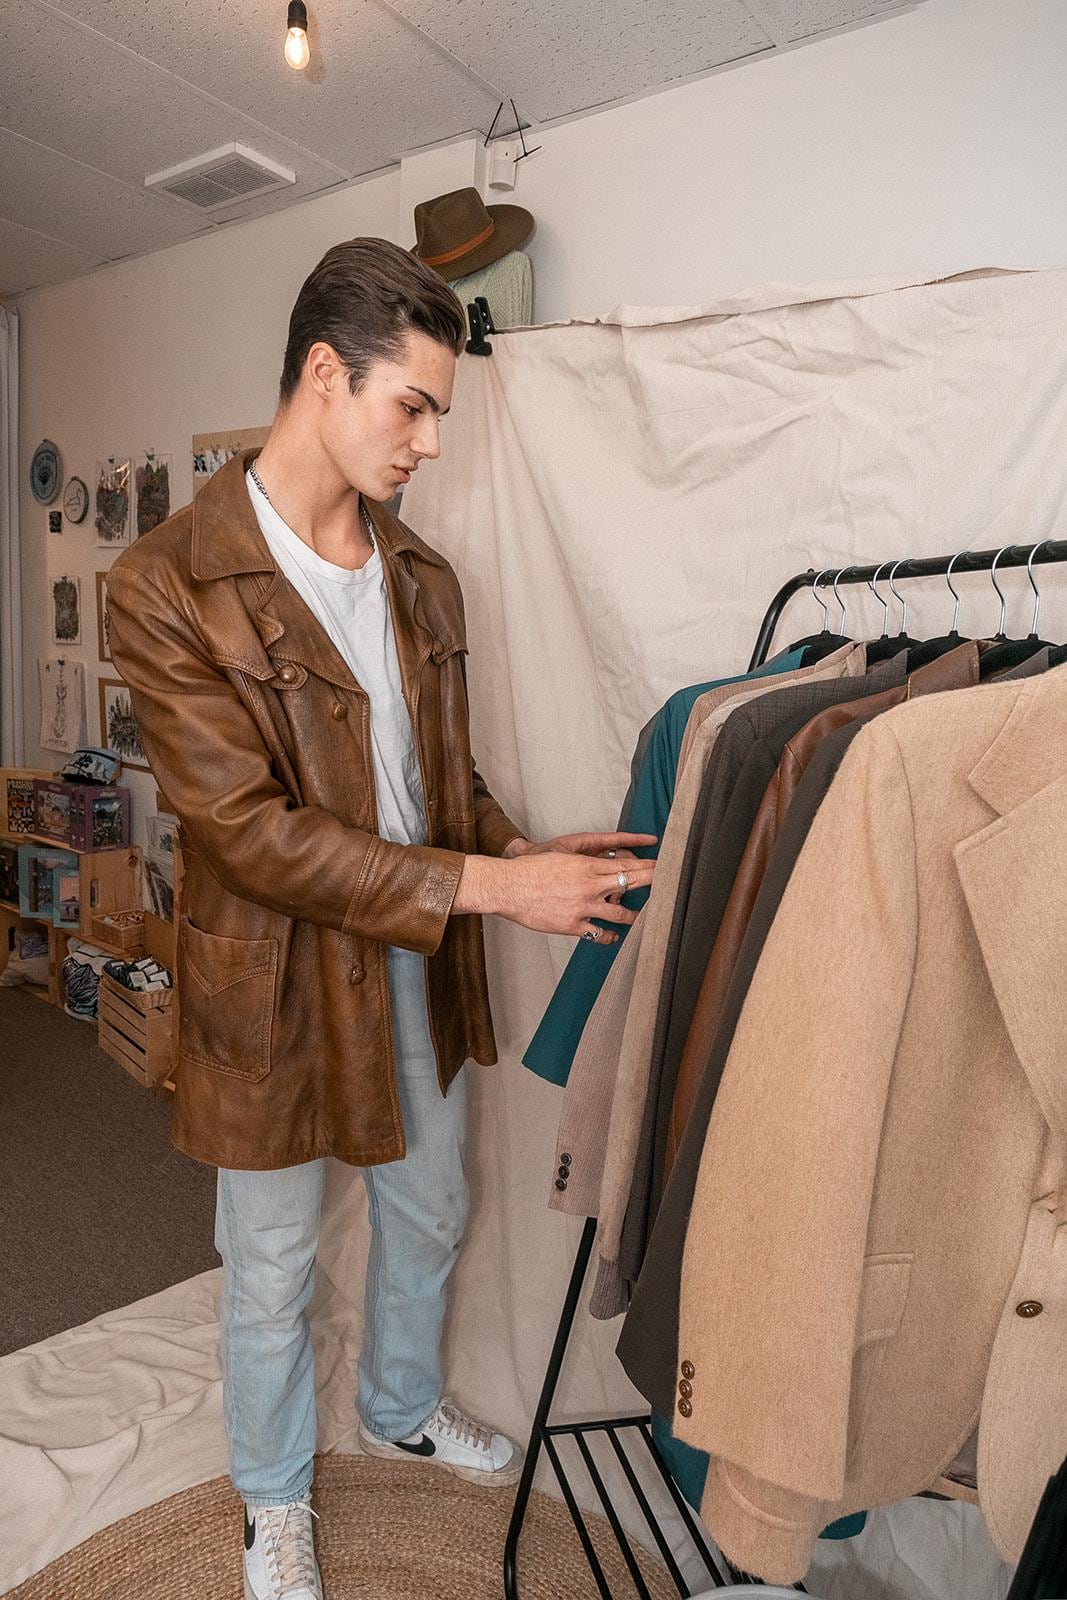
(75, 500)
(44, 472)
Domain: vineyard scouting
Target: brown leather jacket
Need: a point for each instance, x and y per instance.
(260, 738)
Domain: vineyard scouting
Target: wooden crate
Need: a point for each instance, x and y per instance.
(137, 1030)
(110, 881)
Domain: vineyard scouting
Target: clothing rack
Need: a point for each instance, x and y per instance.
(637, 1429)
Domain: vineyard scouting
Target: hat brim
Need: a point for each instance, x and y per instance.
(512, 227)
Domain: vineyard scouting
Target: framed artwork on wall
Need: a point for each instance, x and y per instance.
(66, 611)
(118, 725)
(103, 637)
(113, 502)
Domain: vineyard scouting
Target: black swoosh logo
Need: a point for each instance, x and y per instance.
(250, 1531)
(425, 1447)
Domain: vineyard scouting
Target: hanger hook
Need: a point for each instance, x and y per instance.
(952, 588)
(1033, 585)
(901, 602)
(1003, 600)
(822, 603)
(838, 598)
(872, 584)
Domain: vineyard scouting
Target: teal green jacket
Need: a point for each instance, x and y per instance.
(551, 1051)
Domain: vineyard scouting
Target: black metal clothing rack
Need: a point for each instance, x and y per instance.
(619, 1430)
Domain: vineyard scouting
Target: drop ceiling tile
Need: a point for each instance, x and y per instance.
(72, 91)
(375, 88)
(28, 259)
(566, 55)
(86, 209)
(799, 19)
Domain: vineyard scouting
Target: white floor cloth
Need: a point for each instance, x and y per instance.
(620, 499)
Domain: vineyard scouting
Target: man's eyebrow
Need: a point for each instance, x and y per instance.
(434, 405)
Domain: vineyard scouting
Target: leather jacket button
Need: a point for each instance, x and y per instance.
(685, 1389)
(338, 711)
(561, 1184)
(287, 673)
(565, 1160)
(1029, 1308)
(688, 1370)
(684, 1408)
(357, 975)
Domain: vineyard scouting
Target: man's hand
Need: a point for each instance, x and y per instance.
(558, 887)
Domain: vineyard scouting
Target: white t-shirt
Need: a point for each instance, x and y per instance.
(353, 607)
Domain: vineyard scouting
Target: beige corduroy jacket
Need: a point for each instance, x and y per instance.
(877, 1253)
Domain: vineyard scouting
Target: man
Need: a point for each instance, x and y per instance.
(295, 657)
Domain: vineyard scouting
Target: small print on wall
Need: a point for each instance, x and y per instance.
(153, 492)
(113, 503)
(212, 450)
(66, 611)
(103, 621)
(118, 725)
(55, 522)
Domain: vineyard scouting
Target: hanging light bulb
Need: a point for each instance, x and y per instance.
(296, 40)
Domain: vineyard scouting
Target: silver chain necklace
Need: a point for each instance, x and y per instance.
(261, 486)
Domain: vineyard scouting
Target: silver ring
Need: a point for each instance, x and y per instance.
(623, 881)
(612, 854)
(592, 934)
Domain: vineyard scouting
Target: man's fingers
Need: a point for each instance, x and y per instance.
(617, 913)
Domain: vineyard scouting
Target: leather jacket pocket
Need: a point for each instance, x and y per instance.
(226, 1006)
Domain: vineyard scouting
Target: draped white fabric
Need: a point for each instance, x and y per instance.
(11, 675)
(621, 499)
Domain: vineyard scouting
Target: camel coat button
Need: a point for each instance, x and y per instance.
(688, 1370)
(685, 1409)
(1029, 1308)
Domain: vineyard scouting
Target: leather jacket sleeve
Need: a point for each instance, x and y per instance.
(209, 757)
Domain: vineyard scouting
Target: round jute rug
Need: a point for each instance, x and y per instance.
(386, 1532)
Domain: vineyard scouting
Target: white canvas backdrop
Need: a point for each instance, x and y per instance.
(620, 500)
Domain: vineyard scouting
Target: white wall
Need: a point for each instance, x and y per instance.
(929, 143)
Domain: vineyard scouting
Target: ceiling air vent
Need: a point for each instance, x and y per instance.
(221, 177)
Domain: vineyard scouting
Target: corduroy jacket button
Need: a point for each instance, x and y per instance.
(688, 1370)
(685, 1389)
(565, 1160)
(338, 711)
(1029, 1308)
(561, 1183)
(357, 975)
(684, 1408)
(287, 673)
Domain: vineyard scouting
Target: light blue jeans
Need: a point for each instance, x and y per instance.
(267, 1229)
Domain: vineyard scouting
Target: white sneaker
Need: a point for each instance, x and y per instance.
(456, 1442)
(280, 1553)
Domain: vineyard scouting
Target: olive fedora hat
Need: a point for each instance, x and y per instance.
(458, 233)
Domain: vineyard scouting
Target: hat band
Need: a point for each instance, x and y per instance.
(461, 249)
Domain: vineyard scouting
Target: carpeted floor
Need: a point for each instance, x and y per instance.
(386, 1532)
(96, 1208)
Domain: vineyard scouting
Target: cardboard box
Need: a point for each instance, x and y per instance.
(16, 799)
(82, 816)
(137, 1030)
(9, 873)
